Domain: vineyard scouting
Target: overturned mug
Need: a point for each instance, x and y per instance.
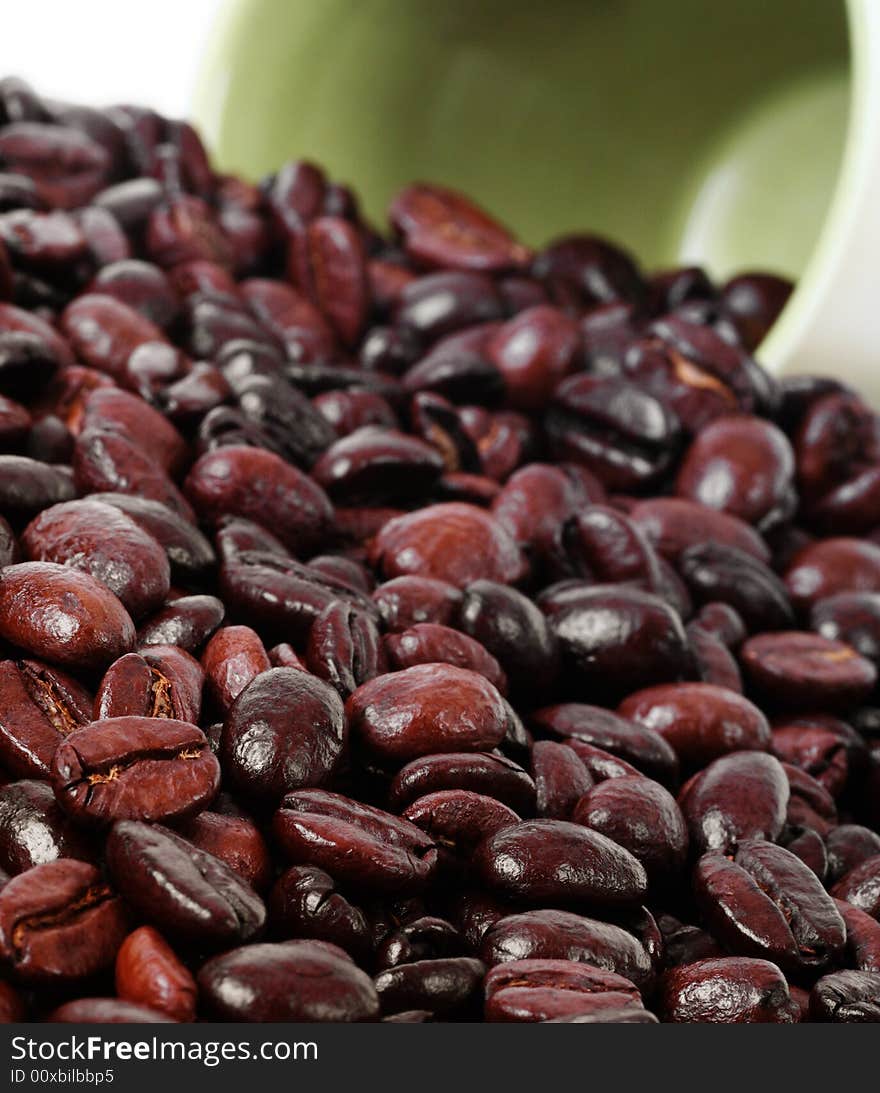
(733, 136)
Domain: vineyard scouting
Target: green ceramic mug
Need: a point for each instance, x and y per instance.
(737, 136)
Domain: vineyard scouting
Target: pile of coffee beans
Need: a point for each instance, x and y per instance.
(414, 627)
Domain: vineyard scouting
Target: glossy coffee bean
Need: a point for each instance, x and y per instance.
(287, 981)
(188, 894)
(34, 830)
(551, 862)
(148, 973)
(727, 990)
(546, 990)
(304, 902)
(481, 772)
(143, 768)
(66, 616)
(441, 986)
(424, 710)
(356, 843)
(59, 921)
(799, 670)
(40, 706)
(285, 731)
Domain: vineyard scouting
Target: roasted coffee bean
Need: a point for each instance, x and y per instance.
(407, 601)
(641, 816)
(100, 540)
(481, 772)
(287, 981)
(767, 903)
(862, 937)
(848, 997)
(727, 990)
(861, 886)
(453, 542)
(427, 709)
(715, 573)
(848, 846)
(356, 843)
(739, 796)
(285, 731)
(40, 706)
(429, 643)
(235, 840)
(457, 820)
(613, 428)
(160, 682)
(34, 830)
(185, 892)
(232, 659)
(187, 622)
(304, 902)
(345, 648)
(852, 618)
(546, 990)
(59, 921)
(144, 768)
(62, 614)
(424, 938)
(551, 861)
(605, 633)
(148, 973)
(561, 779)
(799, 670)
(699, 720)
(641, 746)
(562, 935)
(445, 985)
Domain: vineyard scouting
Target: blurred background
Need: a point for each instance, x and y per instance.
(106, 51)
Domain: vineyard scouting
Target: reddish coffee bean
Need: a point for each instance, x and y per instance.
(64, 615)
(454, 542)
(159, 682)
(427, 709)
(440, 986)
(643, 747)
(428, 643)
(533, 353)
(377, 465)
(641, 816)
(480, 772)
(861, 886)
(187, 893)
(425, 938)
(848, 846)
(605, 632)
(673, 524)
(356, 843)
(407, 601)
(260, 486)
(134, 768)
(716, 573)
(457, 820)
(545, 990)
(232, 659)
(100, 540)
(767, 903)
(551, 861)
(345, 648)
(852, 618)
(848, 997)
(34, 830)
(798, 670)
(235, 840)
(862, 937)
(328, 263)
(739, 796)
(561, 779)
(58, 922)
(106, 1011)
(741, 465)
(186, 622)
(562, 935)
(442, 228)
(287, 981)
(304, 903)
(831, 566)
(285, 731)
(40, 706)
(699, 720)
(148, 973)
(727, 990)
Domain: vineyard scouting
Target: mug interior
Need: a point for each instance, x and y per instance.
(691, 132)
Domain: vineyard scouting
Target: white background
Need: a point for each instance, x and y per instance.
(101, 52)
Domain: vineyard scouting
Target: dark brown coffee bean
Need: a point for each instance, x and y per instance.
(441, 986)
(143, 768)
(727, 990)
(546, 990)
(550, 861)
(356, 843)
(798, 670)
(285, 731)
(66, 616)
(185, 892)
(288, 981)
(481, 772)
(59, 921)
